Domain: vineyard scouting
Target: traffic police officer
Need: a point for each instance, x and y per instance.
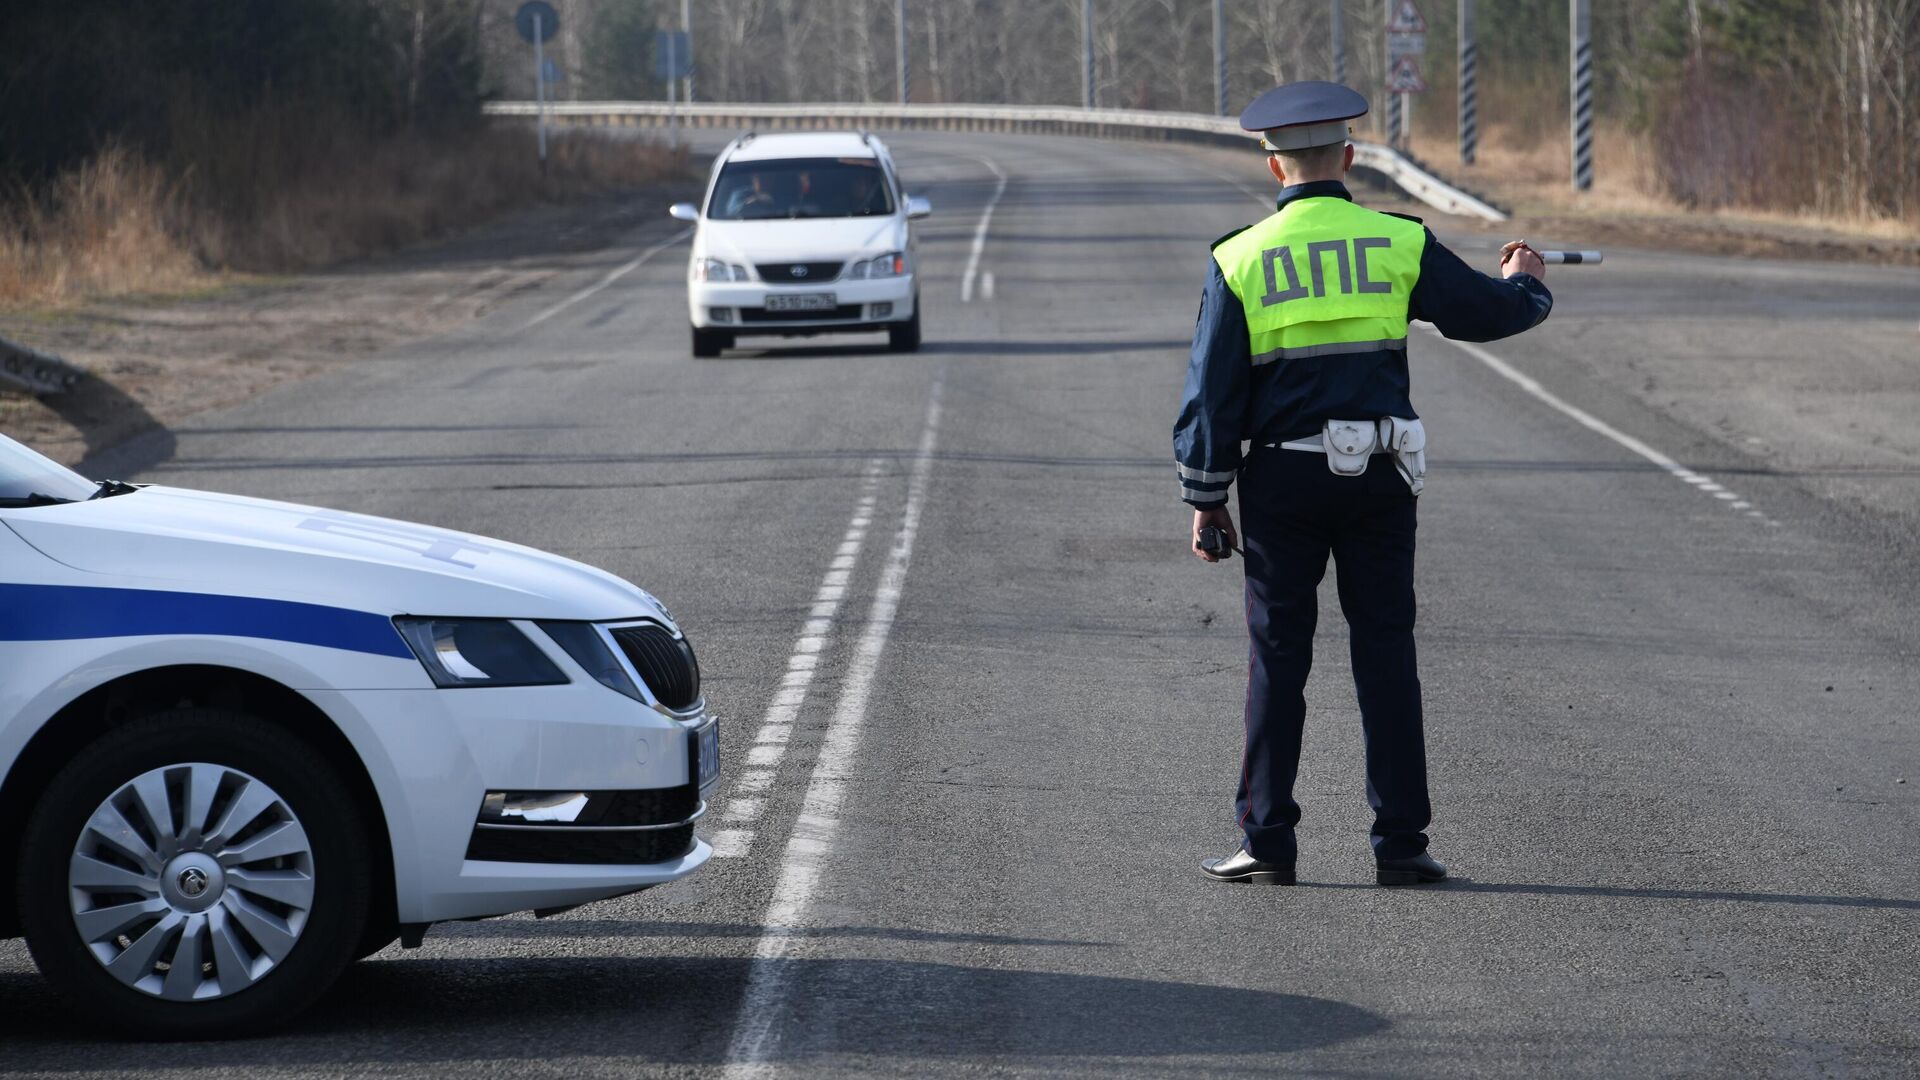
(1301, 350)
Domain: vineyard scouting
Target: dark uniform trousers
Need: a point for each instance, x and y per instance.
(1293, 512)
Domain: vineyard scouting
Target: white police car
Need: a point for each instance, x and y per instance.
(243, 743)
(802, 234)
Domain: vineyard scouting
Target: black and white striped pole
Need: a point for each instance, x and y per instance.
(1086, 54)
(1339, 42)
(1580, 40)
(1469, 88)
(900, 46)
(1219, 58)
(1394, 103)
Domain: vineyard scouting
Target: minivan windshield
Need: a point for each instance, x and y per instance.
(801, 188)
(27, 479)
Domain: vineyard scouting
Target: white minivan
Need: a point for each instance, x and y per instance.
(243, 743)
(804, 233)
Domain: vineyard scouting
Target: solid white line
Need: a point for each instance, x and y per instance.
(980, 232)
(813, 833)
(613, 275)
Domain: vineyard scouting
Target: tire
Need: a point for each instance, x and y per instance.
(905, 337)
(708, 343)
(270, 792)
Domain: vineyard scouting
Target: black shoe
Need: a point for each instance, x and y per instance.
(1241, 866)
(1421, 869)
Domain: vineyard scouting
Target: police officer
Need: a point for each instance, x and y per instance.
(1301, 351)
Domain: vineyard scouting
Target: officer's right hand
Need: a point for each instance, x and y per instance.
(1519, 257)
(1217, 518)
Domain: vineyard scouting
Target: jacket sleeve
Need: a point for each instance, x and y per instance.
(1464, 303)
(1206, 438)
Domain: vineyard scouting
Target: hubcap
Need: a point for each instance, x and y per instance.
(191, 882)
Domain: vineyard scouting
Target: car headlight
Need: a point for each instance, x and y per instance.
(590, 650)
(718, 270)
(892, 264)
(477, 652)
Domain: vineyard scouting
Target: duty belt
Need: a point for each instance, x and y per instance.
(1349, 443)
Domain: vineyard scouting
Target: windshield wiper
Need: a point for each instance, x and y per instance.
(34, 498)
(107, 489)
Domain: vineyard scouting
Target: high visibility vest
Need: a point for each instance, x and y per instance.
(1323, 277)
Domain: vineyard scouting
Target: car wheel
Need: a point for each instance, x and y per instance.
(195, 874)
(906, 336)
(708, 343)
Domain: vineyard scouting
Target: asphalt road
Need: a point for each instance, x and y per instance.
(1670, 708)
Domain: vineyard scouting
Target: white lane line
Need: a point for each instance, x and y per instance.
(749, 1050)
(769, 744)
(1593, 423)
(986, 285)
(980, 232)
(613, 275)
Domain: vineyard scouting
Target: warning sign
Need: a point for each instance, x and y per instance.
(1406, 19)
(1405, 77)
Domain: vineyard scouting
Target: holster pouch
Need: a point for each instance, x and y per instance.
(1406, 440)
(1349, 443)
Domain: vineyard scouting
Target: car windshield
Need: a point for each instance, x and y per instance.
(801, 188)
(27, 479)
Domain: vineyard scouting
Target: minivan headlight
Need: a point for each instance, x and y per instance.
(719, 270)
(892, 264)
(477, 652)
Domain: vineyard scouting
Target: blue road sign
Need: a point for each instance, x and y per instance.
(672, 54)
(549, 20)
(549, 71)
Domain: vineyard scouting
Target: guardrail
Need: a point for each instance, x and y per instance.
(1407, 173)
(35, 372)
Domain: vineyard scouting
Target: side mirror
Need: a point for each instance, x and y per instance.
(918, 207)
(684, 211)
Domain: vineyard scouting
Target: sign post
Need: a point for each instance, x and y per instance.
(1580, 99)
(672, 61)
(1406, 43)
(900, 46)
(1086, 54)
(1469, 89)
(537, 21)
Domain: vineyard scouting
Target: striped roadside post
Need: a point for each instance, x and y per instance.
(1469, 90)
(1396, 107)
(1581, 99)
(1339, 42)
(900, 46)
(1219, 58)
(1086, 54)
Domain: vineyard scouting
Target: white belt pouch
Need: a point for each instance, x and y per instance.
(1349, 443)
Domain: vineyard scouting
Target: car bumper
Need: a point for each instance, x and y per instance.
(740, 306)
(435, 754)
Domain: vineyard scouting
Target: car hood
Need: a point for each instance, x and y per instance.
(822, 239)
(172, 537)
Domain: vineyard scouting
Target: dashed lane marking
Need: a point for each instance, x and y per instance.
(613, 275)
(769, 744)
(980, 233)
(749, 1051)
(1593, 423)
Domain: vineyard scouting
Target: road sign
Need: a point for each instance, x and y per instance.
(548, 19)
(672, 55)
(1406, 44)
(1407, 19)
(1405, 77)
(549, 71)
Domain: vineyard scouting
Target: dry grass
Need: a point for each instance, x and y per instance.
(270, 191)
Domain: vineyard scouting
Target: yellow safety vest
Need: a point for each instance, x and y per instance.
(1323, 277)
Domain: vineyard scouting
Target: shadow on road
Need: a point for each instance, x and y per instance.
(627, 928)
(1468, 885)
(679, 1010)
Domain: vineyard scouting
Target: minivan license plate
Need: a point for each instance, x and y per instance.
(706, 753)
(812, 301)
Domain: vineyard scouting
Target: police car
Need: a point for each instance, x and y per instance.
(243, 743)
(803, 234)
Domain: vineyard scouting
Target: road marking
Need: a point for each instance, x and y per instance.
(986, 285)
(813, 832)
(1593, 423)
(769, 744)
(613, 275)
(980, 232)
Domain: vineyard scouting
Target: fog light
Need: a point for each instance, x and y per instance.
(881, 311)
(720, 314)
(517, 806)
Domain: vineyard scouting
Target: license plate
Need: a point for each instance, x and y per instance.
(706, 754)
(811, 301)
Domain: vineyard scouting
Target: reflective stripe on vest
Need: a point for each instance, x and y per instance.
(1324, 277)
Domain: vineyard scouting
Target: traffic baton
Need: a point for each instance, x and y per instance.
(1570, 258)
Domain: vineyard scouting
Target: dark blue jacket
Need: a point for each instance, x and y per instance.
(1229, 401)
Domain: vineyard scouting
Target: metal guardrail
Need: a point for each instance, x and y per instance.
(35, 372)
(1408, 174)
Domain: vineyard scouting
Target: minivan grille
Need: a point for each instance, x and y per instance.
(797, 273)
(665, 663)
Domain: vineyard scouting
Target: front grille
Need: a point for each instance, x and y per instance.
(665, 663)
(541, 846)
(777, 273)
(832, 314)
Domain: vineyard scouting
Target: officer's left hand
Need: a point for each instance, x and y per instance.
(1218, 518)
